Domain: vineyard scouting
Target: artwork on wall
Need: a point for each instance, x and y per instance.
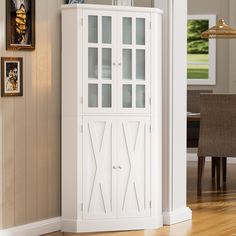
(20, 24)
(11, 76)
(201, 53)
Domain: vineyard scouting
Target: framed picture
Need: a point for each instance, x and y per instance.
(201, 58)
(20, 24)
(11, 76)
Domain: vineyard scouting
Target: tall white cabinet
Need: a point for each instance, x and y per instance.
(111, 118)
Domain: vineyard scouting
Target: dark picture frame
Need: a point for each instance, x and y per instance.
(20, 25)
(11, 76)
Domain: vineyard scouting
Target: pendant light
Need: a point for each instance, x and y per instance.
(220, 30)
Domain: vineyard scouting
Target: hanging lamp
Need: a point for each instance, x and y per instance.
(220, 30)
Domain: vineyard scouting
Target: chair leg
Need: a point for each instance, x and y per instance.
(218, 167)
(224, 169)
(213, 167)
(201, 164)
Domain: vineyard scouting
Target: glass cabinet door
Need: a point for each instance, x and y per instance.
(135, 73)
(99, 56)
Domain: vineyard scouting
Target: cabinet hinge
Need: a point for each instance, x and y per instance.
(81, 100)
(82, 21)
(82, 207)
(150, 204)
(81, 128)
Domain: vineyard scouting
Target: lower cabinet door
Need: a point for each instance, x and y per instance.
(99, 177)
(133, 157)
(116, 167)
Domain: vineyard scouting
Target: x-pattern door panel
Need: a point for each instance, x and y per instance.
(134, 160)
(99, 181)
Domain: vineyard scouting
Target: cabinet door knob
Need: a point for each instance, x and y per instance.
(114, 64)
(120, 167)
(119, 64)
(114, 167)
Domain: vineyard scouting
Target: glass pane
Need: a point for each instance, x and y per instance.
(93, 29)
(127, 64)
(198, 50)
(106, 95)
(140, 31)
(127, 96)
(106, 63)
(92, 95)
(127, 30)
(93, 63)
(106, 29)
(140, 64)
(140, 96)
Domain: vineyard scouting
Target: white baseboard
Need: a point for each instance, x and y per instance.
(109, 225)
(34, 229)
(193, 157)
(177, 216)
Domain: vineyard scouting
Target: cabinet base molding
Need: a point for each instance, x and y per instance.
(177, 216)
(34, 229)
(73, 226)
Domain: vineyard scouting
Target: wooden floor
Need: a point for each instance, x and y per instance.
(214, 214)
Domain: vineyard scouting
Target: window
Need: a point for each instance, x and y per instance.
(201, 53)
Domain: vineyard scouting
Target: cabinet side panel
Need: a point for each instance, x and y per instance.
(156, 120)
(71, 40)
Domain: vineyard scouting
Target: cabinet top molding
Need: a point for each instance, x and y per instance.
(111, 8)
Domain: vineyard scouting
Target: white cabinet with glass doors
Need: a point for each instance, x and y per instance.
(111, 118)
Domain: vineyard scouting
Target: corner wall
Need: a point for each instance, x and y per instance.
(221, 10)
(30, 126)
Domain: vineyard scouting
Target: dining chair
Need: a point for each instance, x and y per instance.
(193, 106)
(217, 137)
(193, 99)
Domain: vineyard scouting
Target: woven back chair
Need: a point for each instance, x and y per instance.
(193, 100)
(193, 105)
(217, 132)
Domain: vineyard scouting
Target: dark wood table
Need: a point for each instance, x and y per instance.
(195, 117)
(193, 128)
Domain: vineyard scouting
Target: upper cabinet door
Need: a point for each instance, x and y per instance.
(134, 63)
(99, 61)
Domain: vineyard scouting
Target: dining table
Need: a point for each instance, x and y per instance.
(193, 129)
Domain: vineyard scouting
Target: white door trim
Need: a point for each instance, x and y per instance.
(174, 110)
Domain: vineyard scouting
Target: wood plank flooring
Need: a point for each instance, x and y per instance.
(214, 213)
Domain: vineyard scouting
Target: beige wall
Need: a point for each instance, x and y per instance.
(232, 49)
(221, 9)
(30, 126)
